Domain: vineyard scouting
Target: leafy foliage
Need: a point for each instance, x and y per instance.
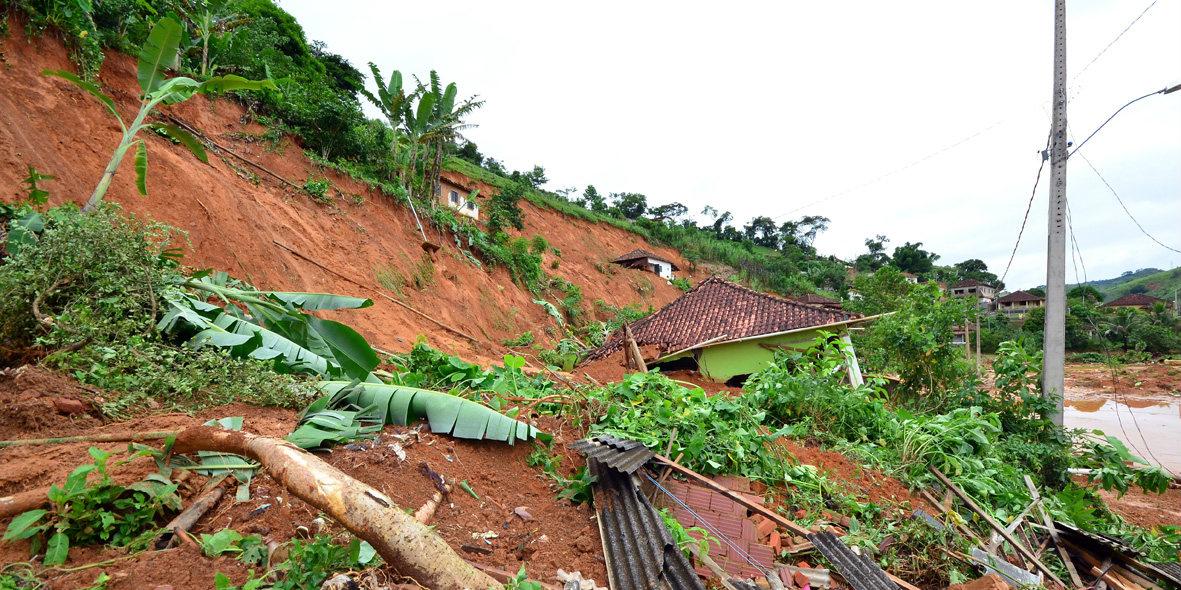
(101, 512)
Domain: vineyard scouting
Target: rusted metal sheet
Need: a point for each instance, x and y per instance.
(622, 455)
(859, 571)
(639, 551)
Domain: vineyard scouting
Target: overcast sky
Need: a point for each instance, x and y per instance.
(918, 120)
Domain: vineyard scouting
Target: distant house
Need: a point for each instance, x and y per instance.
(645, 260)
(910, 277)
(1137, 300)
(455, 195)
(822, 301)
(983, 292)
(1018, 303)
(726, 331)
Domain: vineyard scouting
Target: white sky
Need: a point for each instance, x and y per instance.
(766, 108)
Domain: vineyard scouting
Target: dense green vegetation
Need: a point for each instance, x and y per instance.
(1163, 284)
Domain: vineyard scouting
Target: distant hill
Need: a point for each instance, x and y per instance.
(1153, 281)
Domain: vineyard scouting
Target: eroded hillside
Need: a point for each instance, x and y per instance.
(241, 220)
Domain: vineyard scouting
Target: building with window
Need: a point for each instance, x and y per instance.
(1018, 303)
(645, 260)
(463, 200)
(985, 293)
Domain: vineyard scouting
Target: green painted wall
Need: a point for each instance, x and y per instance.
(723, 361)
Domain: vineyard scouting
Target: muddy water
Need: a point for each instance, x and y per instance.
(1159, 425)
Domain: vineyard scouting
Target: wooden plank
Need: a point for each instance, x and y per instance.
(967, 500)
(1037, 499)
(635, 359)
(723, 490)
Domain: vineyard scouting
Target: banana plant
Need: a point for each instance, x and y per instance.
(158, 55)
(273, 327)
(382, 403)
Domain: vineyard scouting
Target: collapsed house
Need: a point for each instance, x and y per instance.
(726, 331)
(645, 260)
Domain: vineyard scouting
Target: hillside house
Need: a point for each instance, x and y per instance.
(1138, 300)
(910, 277)
(645, 260)
(725, 331)
(455, 195)
(1018, 303)
(983, 292)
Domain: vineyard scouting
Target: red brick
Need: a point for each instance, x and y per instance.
(698, 498)
(800, 579)
(748, 530)
(720, 503)
(762, 554)
(757, 500)
(785, 577)
(733, 482)
(765, 528)
(776, 542)
(730, 526)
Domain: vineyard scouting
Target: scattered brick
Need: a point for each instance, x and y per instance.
(800, 579)
(776, 542)
(765, 528)
(762, 554)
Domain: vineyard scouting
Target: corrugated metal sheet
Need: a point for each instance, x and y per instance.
(858, 570)
(623, 455)
(639, 551)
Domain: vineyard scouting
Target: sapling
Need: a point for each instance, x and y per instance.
(156, 57)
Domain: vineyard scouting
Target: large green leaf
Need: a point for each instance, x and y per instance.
(158, 54)
(232, 82)
(90, 87)
(182, 137)
(57, 549)
(354, 355)
(25, 525)
(141, 167)
(319, 301)
(445, 413)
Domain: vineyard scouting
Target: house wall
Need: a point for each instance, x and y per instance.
(461, 204)
(723, 361)
(660, 267)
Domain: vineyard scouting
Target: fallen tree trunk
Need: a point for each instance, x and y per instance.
(406, 544)
(22, 502)
(189, 517)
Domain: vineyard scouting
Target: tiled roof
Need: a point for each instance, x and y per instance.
(1134, 300)
(642, 253)
(969, 283)
(720, 311)
(1020, 296)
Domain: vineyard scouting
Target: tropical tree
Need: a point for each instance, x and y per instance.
(444, 121)
(158, 55)
(876, 257)
(210, 18)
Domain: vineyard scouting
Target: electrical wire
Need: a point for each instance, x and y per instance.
(1107, 354)
(1125, 206)
(1165, 90)
(1117, 38)
(1028, 208)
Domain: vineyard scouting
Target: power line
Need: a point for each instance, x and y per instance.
(886, 175)
(1028, 207)
(1125, 206)
(1117, 38)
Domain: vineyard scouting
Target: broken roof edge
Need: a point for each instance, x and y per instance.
(715, 341)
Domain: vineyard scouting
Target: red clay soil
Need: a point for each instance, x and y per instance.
(870, 485)
(1154, 380)
(557, 535)
(234, 221)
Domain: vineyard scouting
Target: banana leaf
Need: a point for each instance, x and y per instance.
(445, 413)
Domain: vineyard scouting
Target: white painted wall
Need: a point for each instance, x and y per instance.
(664, 269)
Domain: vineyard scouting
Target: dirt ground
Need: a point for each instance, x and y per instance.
(1154, 380)
(556, 535)
(238, 219)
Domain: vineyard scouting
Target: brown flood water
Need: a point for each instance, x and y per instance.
(1150, 428)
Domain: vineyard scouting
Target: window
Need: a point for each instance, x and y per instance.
(471, 206)
(454, 198)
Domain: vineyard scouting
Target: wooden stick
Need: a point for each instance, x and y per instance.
(379, 293)
(186, 519)
(635, 359)
(215, 145)
(1022, 549)
(113, 437)
(723, 490)
(1037, 499)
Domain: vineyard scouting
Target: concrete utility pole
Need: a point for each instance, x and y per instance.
(1053, 369)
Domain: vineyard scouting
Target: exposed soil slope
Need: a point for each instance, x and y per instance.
(234, 215)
